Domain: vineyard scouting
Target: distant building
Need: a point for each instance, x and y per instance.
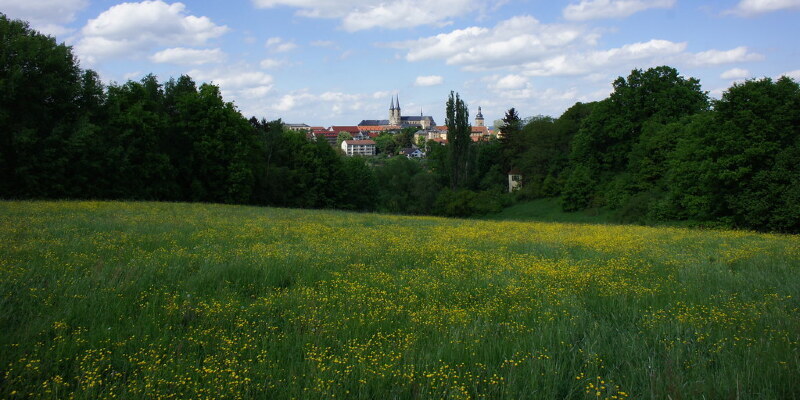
(326, 134)
(352, 130)
(477, 133)
(358, 147)
(397, 121)
(514, 180)
(298, 127)
(479, 118)
(412, 152)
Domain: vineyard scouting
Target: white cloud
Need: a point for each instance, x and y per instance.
(589, 62)
(754, 7)
(133, 28)
(278, 45)
(237, 84)
(46, 16)
(382, 94)
(735, 73)
(431, 80)
(326, 103)
(366, 14)
(510, 42)
(597, 9)
(716, 57)
(511, 82)
(635, 55)
(269, 63)
(184, 56)
(527, 47)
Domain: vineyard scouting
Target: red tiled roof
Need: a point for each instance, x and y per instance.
(480, 129)
(348, 129)
(371, 128)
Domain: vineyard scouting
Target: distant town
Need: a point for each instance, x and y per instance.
(359, 140)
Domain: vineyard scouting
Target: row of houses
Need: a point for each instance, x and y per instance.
(363, 145)
(369, 132)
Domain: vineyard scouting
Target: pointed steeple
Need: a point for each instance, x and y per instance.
(398, 101)
(391, 107)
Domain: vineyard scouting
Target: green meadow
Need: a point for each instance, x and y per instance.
(177, 301)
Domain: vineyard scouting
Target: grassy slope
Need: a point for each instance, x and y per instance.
(549, 210)
(152, 300)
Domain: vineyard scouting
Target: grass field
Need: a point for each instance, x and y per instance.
(549, 210)
(157, 301)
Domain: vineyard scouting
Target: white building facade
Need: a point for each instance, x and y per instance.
(358, 147)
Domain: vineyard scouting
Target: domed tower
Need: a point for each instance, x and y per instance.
(479, 118)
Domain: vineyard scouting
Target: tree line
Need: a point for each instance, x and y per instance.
(657, 149)
(63, 134)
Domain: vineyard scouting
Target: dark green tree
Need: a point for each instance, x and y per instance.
(741, 167)
(458, 140)
(510, 138)
(39, 110)
(606, 141)
(135, 125)
(342, 136)
(385, 144)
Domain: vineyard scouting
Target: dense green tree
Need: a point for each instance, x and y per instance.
(359, 185)
(742, 166)
(88, 166)
(609, 134)
(578, 189)
(623, 132)
(458, 140)
(385, 144)
(184, 112)
(136, 122)
(510, 138)
(487, 167)
(39, 91)
(342, 136)
(405, 138)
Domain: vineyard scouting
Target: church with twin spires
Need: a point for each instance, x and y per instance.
(398, 121)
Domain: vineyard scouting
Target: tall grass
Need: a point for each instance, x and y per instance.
(158, 300)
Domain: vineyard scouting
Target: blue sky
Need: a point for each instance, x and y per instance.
(336, 62)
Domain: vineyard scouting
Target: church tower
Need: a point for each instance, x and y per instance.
(394, 112)
(479, 118)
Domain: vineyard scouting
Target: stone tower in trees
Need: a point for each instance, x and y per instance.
(479, 118)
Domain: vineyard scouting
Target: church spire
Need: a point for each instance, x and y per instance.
(391, 107)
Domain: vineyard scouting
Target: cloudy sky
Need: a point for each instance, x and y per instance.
(336, 62)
